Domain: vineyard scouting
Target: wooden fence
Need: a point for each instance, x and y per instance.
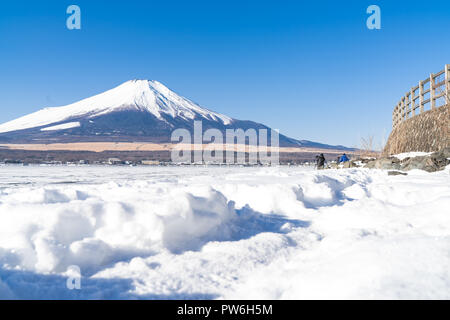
(431, 93)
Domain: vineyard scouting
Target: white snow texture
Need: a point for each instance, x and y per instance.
(63, 126)
(233, 233)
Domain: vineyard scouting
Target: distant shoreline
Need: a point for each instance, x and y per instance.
(145, 146)
(132, 152)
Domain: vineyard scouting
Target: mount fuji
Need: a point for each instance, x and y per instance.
(135, 111)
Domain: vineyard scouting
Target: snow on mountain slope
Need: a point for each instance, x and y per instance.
(137, 110)
(136, 95)
(67, 125)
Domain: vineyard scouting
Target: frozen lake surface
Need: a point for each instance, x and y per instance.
(223, 232)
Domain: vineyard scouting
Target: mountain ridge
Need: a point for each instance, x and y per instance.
(137, 110)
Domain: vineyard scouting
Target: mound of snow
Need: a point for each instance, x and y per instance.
(83, 228)
(194, 232)
(403, 156)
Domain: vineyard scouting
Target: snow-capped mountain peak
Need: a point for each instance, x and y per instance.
(141, 95)
(137, 110)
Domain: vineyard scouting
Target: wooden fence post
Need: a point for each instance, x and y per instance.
(421, 96)
(407, 105)
(397, 118)
(401, 109)
(413, 103)
(447, 83)
(394, 118)
(404, 115)
(432, 100)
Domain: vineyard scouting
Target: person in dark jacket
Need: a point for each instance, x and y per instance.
(343, 158)
(320, 161)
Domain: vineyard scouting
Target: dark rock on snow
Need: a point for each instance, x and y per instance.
(434, 162)
(396, 173)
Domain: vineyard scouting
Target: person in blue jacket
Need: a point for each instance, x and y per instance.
(343, 158)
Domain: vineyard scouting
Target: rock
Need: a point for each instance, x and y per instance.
(333, 166)
(441, 158)
(366, 160)
(384, 163)
(434, 162)
(344, 165)
(351, 164)
(396, 173)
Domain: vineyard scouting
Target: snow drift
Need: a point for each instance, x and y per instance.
(223, 233)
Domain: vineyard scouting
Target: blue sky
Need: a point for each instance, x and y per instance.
(309, 68)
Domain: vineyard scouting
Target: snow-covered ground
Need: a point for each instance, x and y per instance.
(195, 232)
